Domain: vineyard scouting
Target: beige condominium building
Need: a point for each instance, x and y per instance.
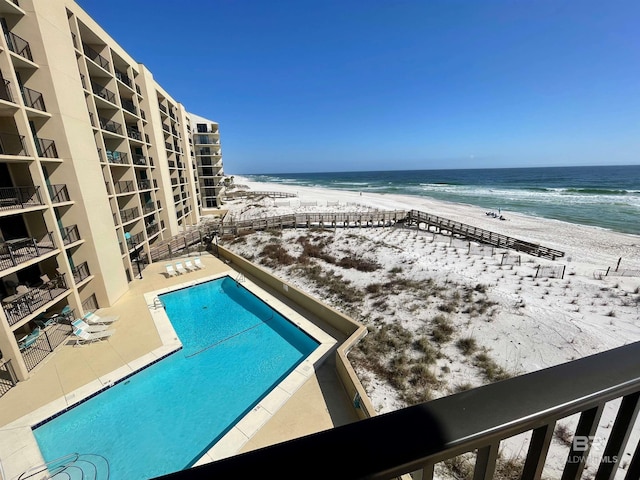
(97, 164)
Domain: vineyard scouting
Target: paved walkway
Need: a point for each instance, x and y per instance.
(319, 404)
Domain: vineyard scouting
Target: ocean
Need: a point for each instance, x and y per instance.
(601, 196)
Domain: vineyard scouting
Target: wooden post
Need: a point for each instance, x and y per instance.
(563, 269)
(618, 265)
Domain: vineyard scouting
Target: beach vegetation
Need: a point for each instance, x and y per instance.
(274, 255)
(442, 329)
(490, 369)
(467, 345)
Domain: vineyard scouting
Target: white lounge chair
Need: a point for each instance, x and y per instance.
(170, 271)
(198, 263)
(189, 266)
(83, 336)
(78, 323)
(94, 319)
(180, 269)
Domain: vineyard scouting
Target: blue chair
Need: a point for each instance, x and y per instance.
(29, 340)
(43, 322)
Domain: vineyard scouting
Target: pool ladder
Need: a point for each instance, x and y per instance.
(157, 303)
(240, 278)
(75, 466)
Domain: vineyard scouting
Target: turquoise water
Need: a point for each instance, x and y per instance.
(162, 419)
(602, 196)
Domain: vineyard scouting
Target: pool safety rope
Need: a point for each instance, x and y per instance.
(229, 338)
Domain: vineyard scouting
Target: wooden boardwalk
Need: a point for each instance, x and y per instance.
(439, 224)
(412, 218)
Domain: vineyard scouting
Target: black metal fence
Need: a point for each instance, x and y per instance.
(19, 197)
(27, 303)
(90, 304)
(46, 343)
(15, 252)
(8, 377)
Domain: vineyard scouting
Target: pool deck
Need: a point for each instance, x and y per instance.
(313, 403)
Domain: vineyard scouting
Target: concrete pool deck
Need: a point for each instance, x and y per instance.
(316, 402)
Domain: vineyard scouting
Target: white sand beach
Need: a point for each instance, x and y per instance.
(483, 321)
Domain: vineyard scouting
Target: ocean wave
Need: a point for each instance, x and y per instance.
(596, 191)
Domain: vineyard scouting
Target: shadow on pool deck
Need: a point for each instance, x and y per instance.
(321, 403)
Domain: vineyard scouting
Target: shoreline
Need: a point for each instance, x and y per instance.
(596, 245)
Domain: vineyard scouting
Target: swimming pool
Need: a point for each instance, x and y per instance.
(162, 419)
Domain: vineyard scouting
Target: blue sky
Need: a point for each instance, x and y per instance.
(349, 85)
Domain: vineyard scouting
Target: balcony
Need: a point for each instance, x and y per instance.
(80, 272)
(18, 45)
(110, 126)
(17, 198)
(70, 234)
(103, 92)
(46, 148)
(129, 106)
(143, 115)
(124, 187)
(416, 440)
(124, 78)
(134, 133)
(23, 305)
(144, 184)
(139, 160)
(149, 207)
(5, 91)
(96, 57)
(152, 229)
(12, 144)
(129, 214)
(163, 109)
(59, 193)
(135, 240)
(118, 158)
(168, 145)
(33, 99)
(20, 250)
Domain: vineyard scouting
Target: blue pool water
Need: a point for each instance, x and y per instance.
(162, 419)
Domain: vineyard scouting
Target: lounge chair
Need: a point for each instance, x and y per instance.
(43, 322)
(198, 263)
(28, 340)
(189, 266)
(170, 270)
(78, 323)
(94, 319)
(83, 336)
(180, 269)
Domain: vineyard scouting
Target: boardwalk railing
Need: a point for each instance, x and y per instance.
(415, 217)
(416, 439)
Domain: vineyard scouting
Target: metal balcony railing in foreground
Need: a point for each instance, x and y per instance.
(33, 98)
(18, 45)
(12, 144)
(415, 439)
(46, 148)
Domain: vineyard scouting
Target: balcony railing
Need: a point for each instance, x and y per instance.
(134, 133)
(135, 240)
(26, 304)
(12, 144)
(168, 146)
(58, 193)
(139, 160)
(149, 207)
(129, 214)
(417, 439)
(80, 272)
(143, 115)
(124, 187)
(162, 108)
(33, 99)
(144, 184)
(12, 198)
(129, 106)
(152, 229)
(138, 91)
(96, 57)
(5, 91)
(118, 158)
(70, 234)
(123, 77)
(18, 45)
(103, 92)
(110, 126)
(16, 251)
(46, 343)
(46, 148)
